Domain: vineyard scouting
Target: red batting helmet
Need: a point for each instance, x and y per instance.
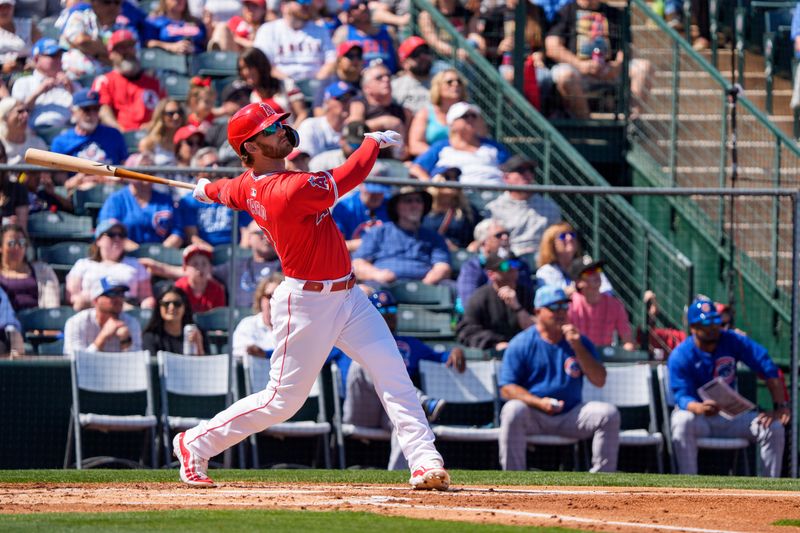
(248, 121)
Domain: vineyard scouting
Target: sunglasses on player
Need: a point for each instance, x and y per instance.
(271, 129)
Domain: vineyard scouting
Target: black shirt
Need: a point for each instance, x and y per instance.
(582, 30)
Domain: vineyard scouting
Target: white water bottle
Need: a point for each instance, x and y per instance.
(14, 340)
(507, 67)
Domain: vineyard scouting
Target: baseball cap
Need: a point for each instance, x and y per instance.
(377, 188)
(338, 89)
(448, 173)
(347, 5)
(346, 46)
(44, 46)
(408, 46)
(517, 163)
(262, 3)
(120, 36)
(353, 132)
(302, 2)
(107, 285)
(194, 249)
(383, 301)
(458, 110)
(702, 311)
(501, 264)
(105, 225)
(581, 264)
(549, 295)
(185, 132)
(235, 90)
(85, 98)
(295, 154)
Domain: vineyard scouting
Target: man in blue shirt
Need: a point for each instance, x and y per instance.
(402, 249)
(709, 353)
(88, 138)
(362, 407)
(358, 212)
(541, 380)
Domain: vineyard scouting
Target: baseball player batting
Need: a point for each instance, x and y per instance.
(315, 308)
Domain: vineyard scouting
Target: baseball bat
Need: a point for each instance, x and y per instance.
(78, 164)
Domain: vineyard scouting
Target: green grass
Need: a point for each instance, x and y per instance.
(460, 478)
(243, 520)
(794, 522)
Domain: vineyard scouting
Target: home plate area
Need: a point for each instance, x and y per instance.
(595, 508)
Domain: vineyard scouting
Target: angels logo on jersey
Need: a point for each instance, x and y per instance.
(320, 181)
(322, 215)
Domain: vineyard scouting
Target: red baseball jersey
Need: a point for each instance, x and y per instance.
(133, 101)
(294, 211)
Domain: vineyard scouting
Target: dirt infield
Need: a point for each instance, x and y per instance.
(596, 508)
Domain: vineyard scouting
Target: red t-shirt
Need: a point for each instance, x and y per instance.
(133, 101)
(241, 28)
(214, 296)
(294, 211)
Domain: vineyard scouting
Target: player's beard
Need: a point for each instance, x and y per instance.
(277, 152)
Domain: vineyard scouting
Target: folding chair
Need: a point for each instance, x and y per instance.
(215, 323)
(547, 440)
(424, 324)
(474, 391)
(115, 376)
(170, 256)
(193, 390)
(307, 422)
(350, 431)
(630, 388)
(704, 443)
(415, 294)
(217, 64)
(177, 86)
(62, 256)
(40, 325)
(159, 61)
(45, 227)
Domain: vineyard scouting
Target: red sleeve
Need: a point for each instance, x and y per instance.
(357, 167)
(101, 86)
(226, 192)
(321, 190)
(216, 294)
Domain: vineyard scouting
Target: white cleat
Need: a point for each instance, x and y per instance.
(431, 478)
(192, 467)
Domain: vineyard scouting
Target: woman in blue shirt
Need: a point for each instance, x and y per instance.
(148, 215)
(174, 29)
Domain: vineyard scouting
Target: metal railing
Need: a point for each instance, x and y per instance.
(636, 252)
(683, 139)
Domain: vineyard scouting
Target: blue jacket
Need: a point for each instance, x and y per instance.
(690, 368)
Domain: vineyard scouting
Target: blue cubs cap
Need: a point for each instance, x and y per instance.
(46, 47)
(108, 285)
(377, 188)
(383, 301)
(105, 225)
(548, 295)
(338, 89)
(302, 2)
(86, 98)
(703, 312)
(347, 5)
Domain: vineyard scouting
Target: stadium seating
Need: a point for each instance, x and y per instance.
(44, 325)
(306, 423)
(111, 376)
(170, 256)
(216, 64)
(424, 324)
(62, 256)
(159, 60)
(193, 389)
(177, 86)
(415, 294)
(45, 227)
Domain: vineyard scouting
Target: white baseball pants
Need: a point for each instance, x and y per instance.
(687, 427)
(307, 325)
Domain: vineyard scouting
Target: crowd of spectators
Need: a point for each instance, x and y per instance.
(528, 289)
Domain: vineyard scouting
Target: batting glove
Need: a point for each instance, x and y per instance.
(200, 191)
(386, 138)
